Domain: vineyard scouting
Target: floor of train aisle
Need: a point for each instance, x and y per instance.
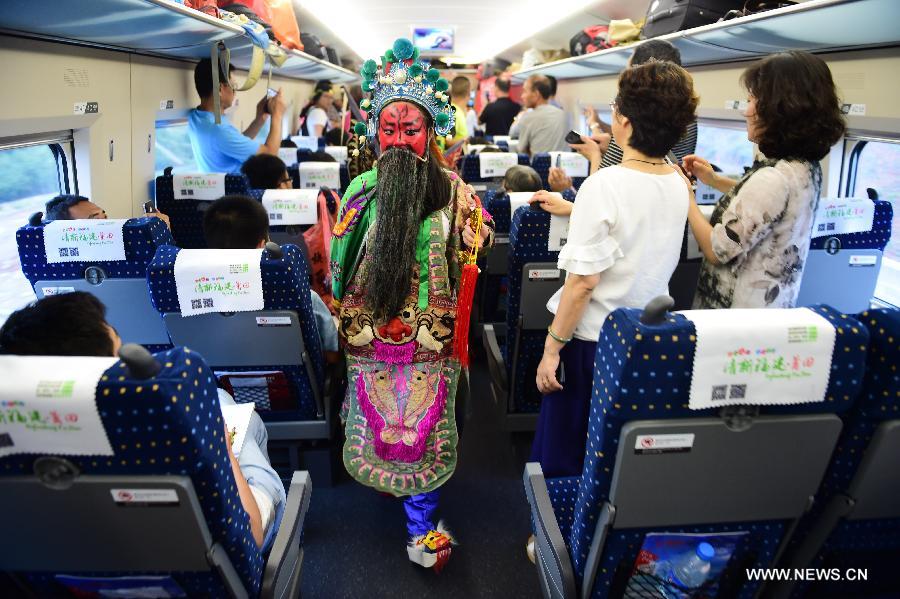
(354, 538)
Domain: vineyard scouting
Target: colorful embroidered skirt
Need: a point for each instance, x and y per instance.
(401, 426)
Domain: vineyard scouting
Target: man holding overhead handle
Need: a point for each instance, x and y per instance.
(221, 148)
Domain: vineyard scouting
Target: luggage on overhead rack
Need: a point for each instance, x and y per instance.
(668, 16)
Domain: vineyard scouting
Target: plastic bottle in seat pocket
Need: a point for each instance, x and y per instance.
(688, 570)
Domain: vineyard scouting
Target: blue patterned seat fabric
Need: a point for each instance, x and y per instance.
(142, 236)
(876, 239)
(528, 236)
(872, 544)
(285, 287)
(541, 163)
(170, 424)
(470, 168)
(185, 216)
(644, 372)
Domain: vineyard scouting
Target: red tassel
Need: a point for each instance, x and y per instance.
(465, 299)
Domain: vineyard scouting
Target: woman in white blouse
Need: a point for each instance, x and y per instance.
(624, 241)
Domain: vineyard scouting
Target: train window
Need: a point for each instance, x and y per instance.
(726, 147)
(874, 166)
(31, 172)
(173, 147)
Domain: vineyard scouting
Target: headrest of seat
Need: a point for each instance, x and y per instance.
(285, 278)
(876, 239)
(652, 365)
(141, 236)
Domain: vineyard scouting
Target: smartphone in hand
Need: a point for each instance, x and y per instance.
(573, 137)
(148, 207)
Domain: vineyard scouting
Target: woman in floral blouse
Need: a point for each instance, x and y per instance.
(755, 244)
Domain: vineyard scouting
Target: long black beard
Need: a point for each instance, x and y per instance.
(402, 206)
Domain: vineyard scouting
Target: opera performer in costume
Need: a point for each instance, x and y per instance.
(403, 273)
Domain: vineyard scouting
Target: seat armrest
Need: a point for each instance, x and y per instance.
(281, 577)
(496, 365)
(551, 555)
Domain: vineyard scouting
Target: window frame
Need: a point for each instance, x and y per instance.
(61, 144)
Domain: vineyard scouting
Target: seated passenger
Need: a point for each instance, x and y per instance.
(265, 171)
(755, 246)
(521, 178)
(624, 241)
(74, 324)
(73, 207)
(239, 222)
(222, 148)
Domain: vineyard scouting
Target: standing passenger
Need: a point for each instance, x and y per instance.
(222, 148)
(543, 127)
(624, 239)
(755, 244)
(499, 114)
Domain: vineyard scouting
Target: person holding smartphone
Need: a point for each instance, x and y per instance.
(624, 241)
(74, 207)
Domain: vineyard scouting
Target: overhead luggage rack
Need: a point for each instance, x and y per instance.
(150, 27)
(814, 26)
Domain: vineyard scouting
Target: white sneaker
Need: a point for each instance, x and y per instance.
(431, 550)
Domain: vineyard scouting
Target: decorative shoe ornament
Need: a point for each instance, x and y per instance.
(431, 550)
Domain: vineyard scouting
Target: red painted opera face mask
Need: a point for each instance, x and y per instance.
(403, 124)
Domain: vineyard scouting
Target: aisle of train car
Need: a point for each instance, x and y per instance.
(354, 546)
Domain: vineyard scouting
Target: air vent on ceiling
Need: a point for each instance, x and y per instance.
(75, 77)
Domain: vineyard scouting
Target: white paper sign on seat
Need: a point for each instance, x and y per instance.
(760, 357)
(839, 216)
(573, 163)
(217, 280)
(288, 156)
(48, 405)
(200, 186)
(559, 233)
(291, 206)
(306, 142)
(314, 175)
(84, 240)
(339, 152)
(495, 164)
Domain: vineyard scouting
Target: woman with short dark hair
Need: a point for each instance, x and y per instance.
(756, 241)
(623, 244)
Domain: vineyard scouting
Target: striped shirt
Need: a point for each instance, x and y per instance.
(684, 146)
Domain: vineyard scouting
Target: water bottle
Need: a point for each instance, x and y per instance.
(688, 570)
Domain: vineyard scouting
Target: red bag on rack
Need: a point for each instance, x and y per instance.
(284, 23)
(205, 6)
(318, 245)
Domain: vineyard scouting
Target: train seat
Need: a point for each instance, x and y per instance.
(842, 270)
(186, 215)
(121, 284)
(856, 523)
(159, 504)
(741, 471)
(514, 350)
(279, 344)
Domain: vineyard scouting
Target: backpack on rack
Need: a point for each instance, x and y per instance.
(312, 45)
(590, 39)
(332, 55)
(668, 16)
(255, 10)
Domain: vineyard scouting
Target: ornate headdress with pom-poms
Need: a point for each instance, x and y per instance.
(402, 76)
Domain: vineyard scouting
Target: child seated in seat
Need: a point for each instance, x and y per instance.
(239, 222)
(74, 324)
